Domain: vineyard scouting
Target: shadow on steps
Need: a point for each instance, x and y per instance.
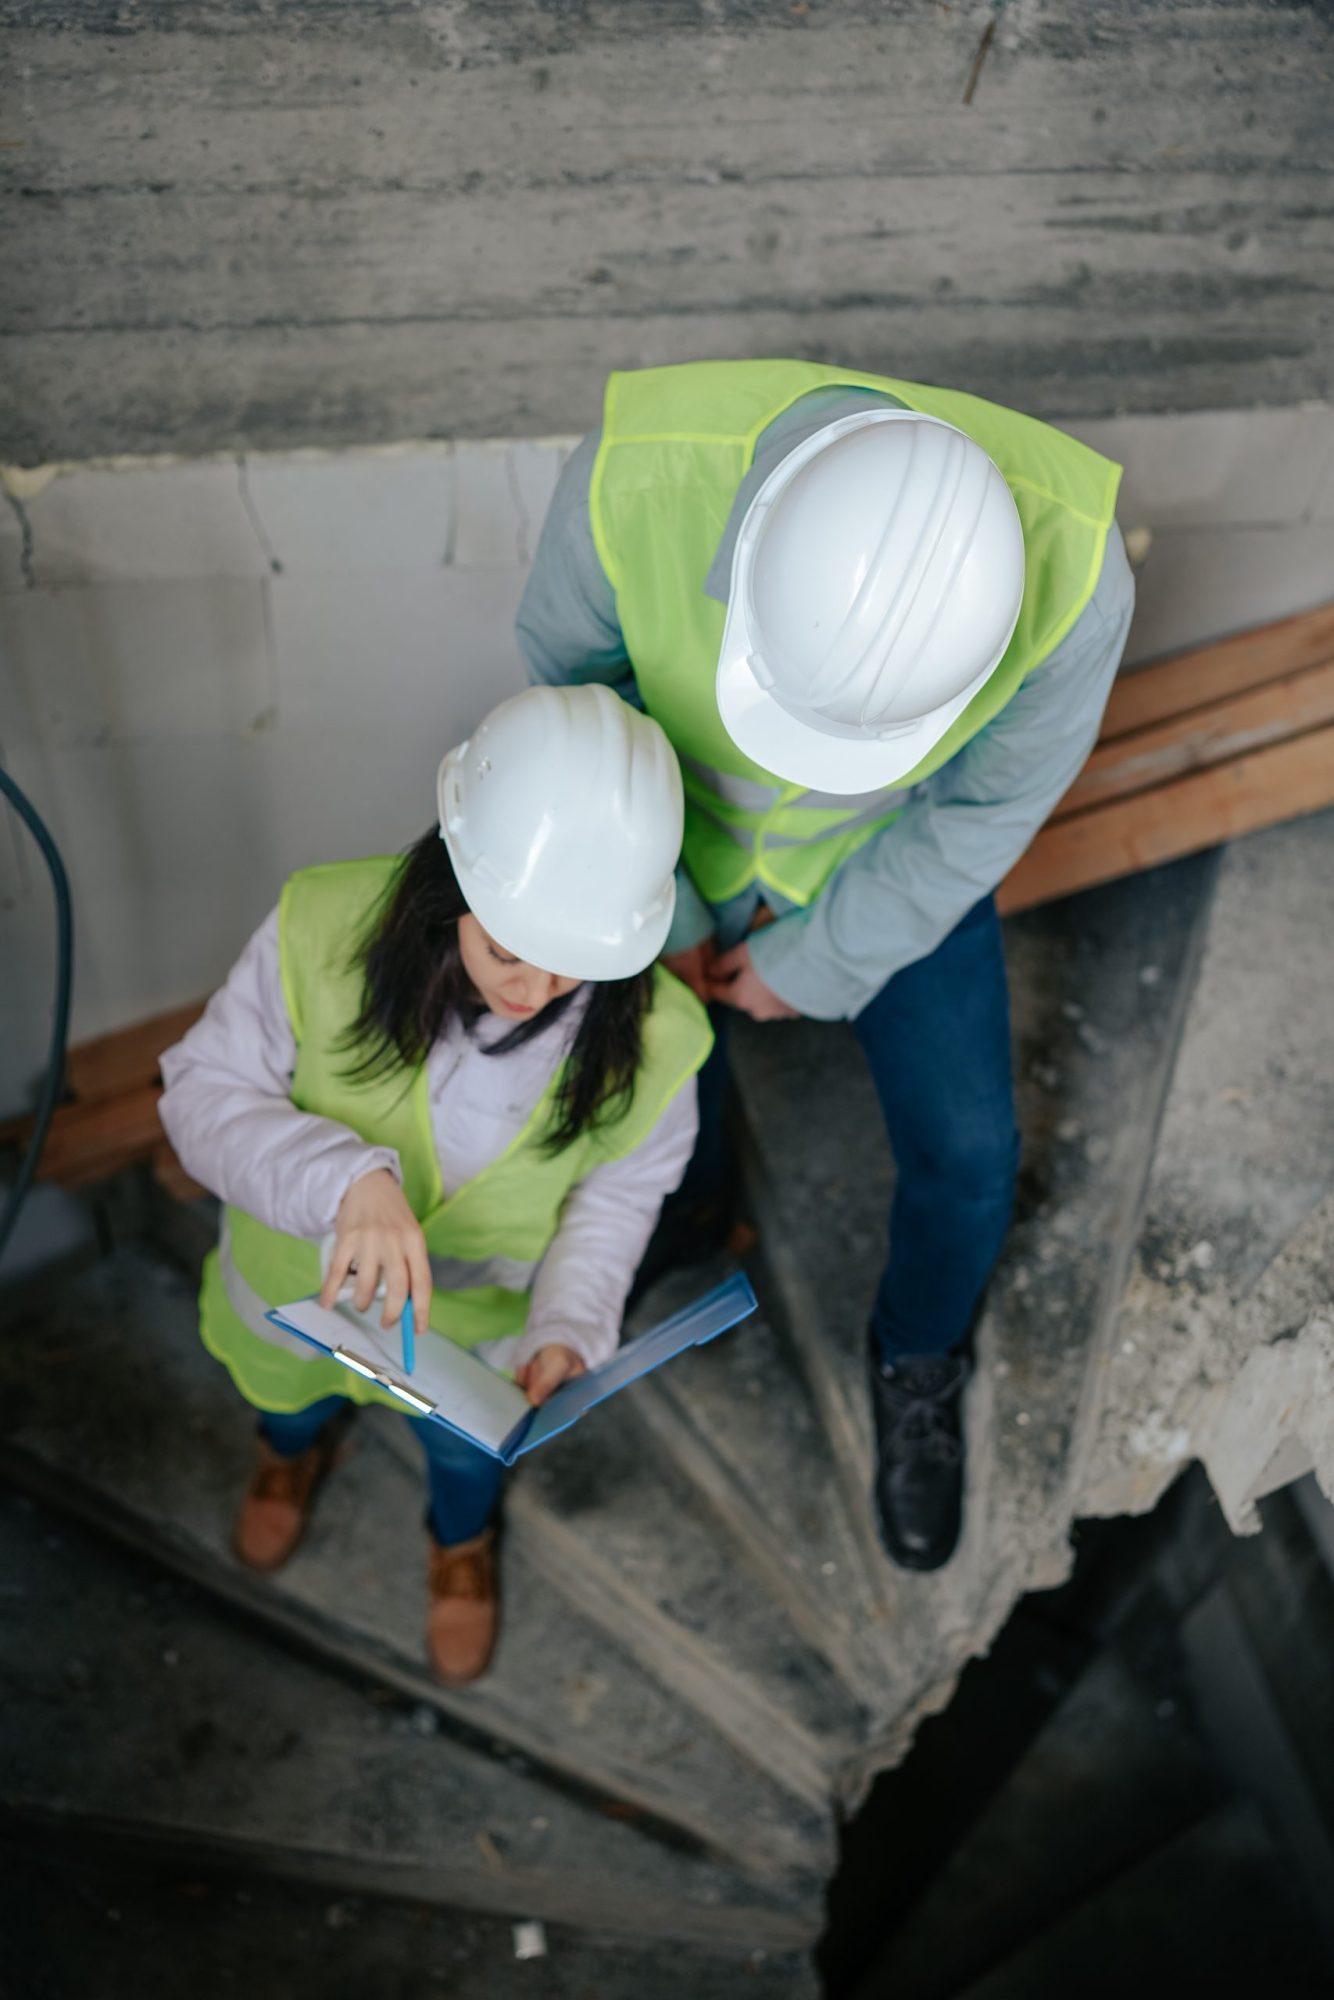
(1075, 1819)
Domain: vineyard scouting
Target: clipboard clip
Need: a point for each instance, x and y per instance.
(383, 1381)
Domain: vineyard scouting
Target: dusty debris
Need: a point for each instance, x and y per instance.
(530, 1940)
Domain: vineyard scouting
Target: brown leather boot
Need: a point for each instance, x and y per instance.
(276, 1508)
(465, 1609)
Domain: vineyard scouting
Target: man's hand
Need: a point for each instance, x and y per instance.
(734, 981)
(376, 1234)
(550, 1366)
(694, 965)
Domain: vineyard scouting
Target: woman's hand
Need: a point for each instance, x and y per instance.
(550, 1366)
(377, 1236)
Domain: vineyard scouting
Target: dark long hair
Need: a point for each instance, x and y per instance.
(414, 985)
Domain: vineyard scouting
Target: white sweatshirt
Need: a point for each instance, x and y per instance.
(227, 1110)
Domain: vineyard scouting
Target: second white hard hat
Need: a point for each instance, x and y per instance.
(876, 584)
(563, 814)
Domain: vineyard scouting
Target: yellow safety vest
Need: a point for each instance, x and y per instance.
(510, 1211)
(676, 445)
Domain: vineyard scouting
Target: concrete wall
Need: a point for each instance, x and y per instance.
(214, 672)
(322, 222)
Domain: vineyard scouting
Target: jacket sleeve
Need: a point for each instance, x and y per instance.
(692, 919)
(227, 1107)
(580, 1289)
(569, 632)
(897, 897)
(568, 626)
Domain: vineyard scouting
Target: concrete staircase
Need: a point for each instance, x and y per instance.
(1170, 1824)
(705, 1658)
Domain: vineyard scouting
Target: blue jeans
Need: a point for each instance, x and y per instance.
(711, 1170)
(937, 1039)
(465, 1482)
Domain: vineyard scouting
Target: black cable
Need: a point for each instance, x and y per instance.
(55, 1062)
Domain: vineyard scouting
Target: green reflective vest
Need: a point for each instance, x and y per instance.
(676, 445)
(509, 1212)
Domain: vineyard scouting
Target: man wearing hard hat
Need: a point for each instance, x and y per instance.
(879, 623)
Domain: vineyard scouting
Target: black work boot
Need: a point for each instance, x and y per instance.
(919, 1455)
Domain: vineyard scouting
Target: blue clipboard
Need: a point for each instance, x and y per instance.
(452, 1387)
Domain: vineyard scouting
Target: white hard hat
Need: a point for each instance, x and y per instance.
(563, 814)
(876, 584)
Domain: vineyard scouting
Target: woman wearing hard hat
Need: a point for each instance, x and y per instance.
(464, 1067)
(879, 622)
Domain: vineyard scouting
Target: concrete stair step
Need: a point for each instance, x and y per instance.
(141, 1720)
(110, 1407)
(1098, 985)
(1213, 1911)
(1230, 1280)
(622, 1540)
(1120, 1752)
(736, 1419)
(1258, 1657)
(818, 1176)
(630, 1539)
(159, 1931)
(1283, 1589)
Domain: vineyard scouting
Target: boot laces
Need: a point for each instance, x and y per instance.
(464, 1572)
(922, 1397)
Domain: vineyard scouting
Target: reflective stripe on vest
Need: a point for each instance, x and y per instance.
(741, 806)
(484, 1241)
(676, 445)
(750, 795)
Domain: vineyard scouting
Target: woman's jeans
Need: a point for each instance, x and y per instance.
(465, 1482)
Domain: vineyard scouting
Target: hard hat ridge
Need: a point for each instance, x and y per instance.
(876, 582)
(944, 539)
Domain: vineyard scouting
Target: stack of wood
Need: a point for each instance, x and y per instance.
(1195, 749)
(110, 1118)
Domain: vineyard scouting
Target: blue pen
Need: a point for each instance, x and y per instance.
(407, 1327)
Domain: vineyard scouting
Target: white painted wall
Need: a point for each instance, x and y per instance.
(223, 671)
(214, 672)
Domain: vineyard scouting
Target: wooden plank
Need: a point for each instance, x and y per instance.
(1206, 674)
(1205, 736)
(1280, 782)
(127, 1059)
(87, 1141)
(171, 1176)
(98, 1167)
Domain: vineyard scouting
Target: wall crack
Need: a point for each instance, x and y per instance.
(523, 519)
(27, 547)
(252, 515)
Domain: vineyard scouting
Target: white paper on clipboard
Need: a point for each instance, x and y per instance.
(447, 1382)
(457, 1389)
